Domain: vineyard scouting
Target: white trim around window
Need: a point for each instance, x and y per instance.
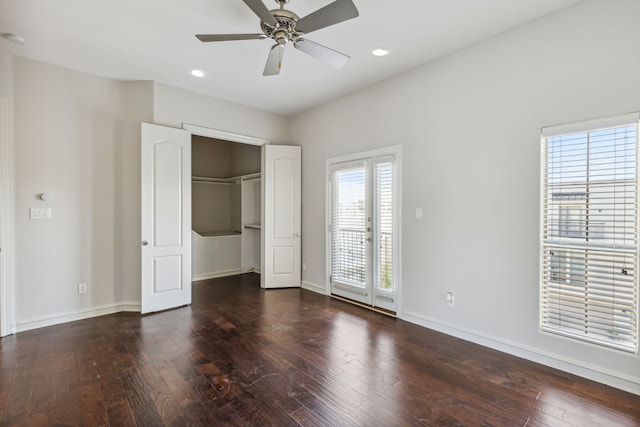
(589, 232)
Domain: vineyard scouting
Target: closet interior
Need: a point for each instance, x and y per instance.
(226, 208)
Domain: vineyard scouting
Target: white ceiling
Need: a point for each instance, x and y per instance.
(154, 40)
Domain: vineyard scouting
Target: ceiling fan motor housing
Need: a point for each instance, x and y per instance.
(285, 31)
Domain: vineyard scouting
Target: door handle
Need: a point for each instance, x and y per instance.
(145, 243)
(297, 235)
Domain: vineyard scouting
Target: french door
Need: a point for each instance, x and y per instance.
(363, 230)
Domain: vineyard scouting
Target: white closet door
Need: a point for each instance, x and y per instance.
(281, 178)
(166, 218)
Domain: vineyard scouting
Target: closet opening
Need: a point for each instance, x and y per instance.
(226, 211)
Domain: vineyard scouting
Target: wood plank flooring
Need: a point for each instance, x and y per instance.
(242, 356)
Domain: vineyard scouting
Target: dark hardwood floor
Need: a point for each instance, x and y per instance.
(244, 356)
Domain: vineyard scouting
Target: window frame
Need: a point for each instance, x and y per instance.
(557, 255)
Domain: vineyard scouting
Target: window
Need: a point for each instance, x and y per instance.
(589, 287)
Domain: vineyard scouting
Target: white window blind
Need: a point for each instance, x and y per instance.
(384, 235)
(349, 224)
(589, 286)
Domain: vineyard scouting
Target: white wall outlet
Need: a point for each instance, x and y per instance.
(82, 288)
(419, 213)
(451, 302)
(304, 266)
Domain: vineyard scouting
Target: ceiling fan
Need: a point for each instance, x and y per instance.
(284, 26)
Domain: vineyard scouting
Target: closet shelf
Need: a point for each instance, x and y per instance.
(209, 180)
(218, 233)
(253, 226)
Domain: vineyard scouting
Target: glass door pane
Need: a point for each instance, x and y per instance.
(350, 224)
(383, 229)
(363, 231)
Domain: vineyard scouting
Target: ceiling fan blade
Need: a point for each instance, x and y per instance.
(261, 10)
(324, 54)
(228, 37)
(333, 13)
(274, 61)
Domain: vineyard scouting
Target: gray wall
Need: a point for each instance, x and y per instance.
(470, 129)
(469, 125)
(67, 135)
(216, 207)
(77, 137)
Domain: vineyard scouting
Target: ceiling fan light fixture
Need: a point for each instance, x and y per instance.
(197, 73)
(380, 51)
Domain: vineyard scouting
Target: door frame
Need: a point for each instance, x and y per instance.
(224, 135)
(7, 321)
(210, 133)
(396, 151)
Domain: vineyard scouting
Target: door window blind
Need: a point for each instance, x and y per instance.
(349, 225)
(384, 235)
(589, 286)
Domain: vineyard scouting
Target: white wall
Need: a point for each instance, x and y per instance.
(137, 107)
(6, 74)
(78, 138)
(470, 125)
(66, 131)
(7, 236)
(174, 106)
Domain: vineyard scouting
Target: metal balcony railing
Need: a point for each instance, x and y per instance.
(578, 229)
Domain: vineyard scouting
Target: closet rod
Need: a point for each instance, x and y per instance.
(252, 177)
(214, 182)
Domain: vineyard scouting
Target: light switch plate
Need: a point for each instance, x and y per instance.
(40, 213)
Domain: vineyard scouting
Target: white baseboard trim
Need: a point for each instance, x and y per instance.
(313, 287)
(614, 379)
(71, 316)
(217, 274)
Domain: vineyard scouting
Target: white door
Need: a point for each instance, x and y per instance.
(166, 218)
(281, 223)
(363, 230)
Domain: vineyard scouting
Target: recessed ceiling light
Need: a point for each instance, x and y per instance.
(380, 51)
(197, 73)
(14, 38)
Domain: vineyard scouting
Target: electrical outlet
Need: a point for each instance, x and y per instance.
(304, 266)
(451, 302)
(82, 288)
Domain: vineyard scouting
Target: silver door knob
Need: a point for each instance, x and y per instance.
(297, 234)
(145, 243)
